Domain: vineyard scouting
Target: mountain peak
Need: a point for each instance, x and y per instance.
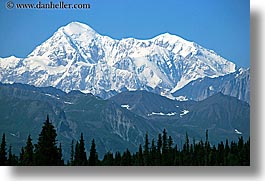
(78, 58)
(77, 28)
(172, 38)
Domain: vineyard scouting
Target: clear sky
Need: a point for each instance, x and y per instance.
(220, 25)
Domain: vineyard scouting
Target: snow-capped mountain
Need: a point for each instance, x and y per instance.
(77, 57)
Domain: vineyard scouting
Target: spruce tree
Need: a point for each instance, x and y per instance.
(171, 156)
(80, 152)
(153, 153)
(28, 153)
(207, 148)
(72, 153)
(117, 159)
(185, 153)
(3, 158)
(21, 156)
(146, 151)
(60, 156)
(159, 150)
(126, 159)
(108, 159)
(9, 160)
(77, 155)
(12, 158)
(139, 157)
(93, 157)
(46, 149)
(165, 156)
(220, 154)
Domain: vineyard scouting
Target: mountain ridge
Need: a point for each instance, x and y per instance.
(78, 58)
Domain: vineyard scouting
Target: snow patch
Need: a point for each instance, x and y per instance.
(12, 134)
(52, 96)
(211, 88)
(184, 112)
(238, 132)
(162, 114)
(182, 98)
(125, 106)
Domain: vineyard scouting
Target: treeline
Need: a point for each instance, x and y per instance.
(161, 152)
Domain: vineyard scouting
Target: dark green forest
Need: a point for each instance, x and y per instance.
(161, 152)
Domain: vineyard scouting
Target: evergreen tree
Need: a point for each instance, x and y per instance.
(12, 158)
(165, 156)
(153, 153)
(28, 154)
(246, 153)
(117, 160)
(226, 154)
(207, 149)
(72, 153)
(213, 157)
(3, 158)
(220, 154)
(80, 152)
(186, 159)
(93, 157)
(21, 156)
(146, 151)
(139, 157)
(171, 156)
(177, 156)
(77, 159)
(108, 159)
(60, 156)
(126, 159)
(159, 150)
(46, 149)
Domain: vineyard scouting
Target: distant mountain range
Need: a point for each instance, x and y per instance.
(120, 122)
(78, 58)
(116, 91)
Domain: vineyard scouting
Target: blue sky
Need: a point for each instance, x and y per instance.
(221, 25)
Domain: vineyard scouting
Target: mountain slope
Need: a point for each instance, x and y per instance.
(115, 127)
(24, 108)
(78, 58)
(236, 84)
(151, 106)
(224, 116)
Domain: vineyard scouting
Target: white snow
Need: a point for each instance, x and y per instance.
(68, 102)
(76, 57)
(9, 62)
(238, 132)
(181, 98)
(12, 134)
(125, 106)
(241, 71)
(162, 114)
(52, 96)
(211, 88)
(184, 112)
